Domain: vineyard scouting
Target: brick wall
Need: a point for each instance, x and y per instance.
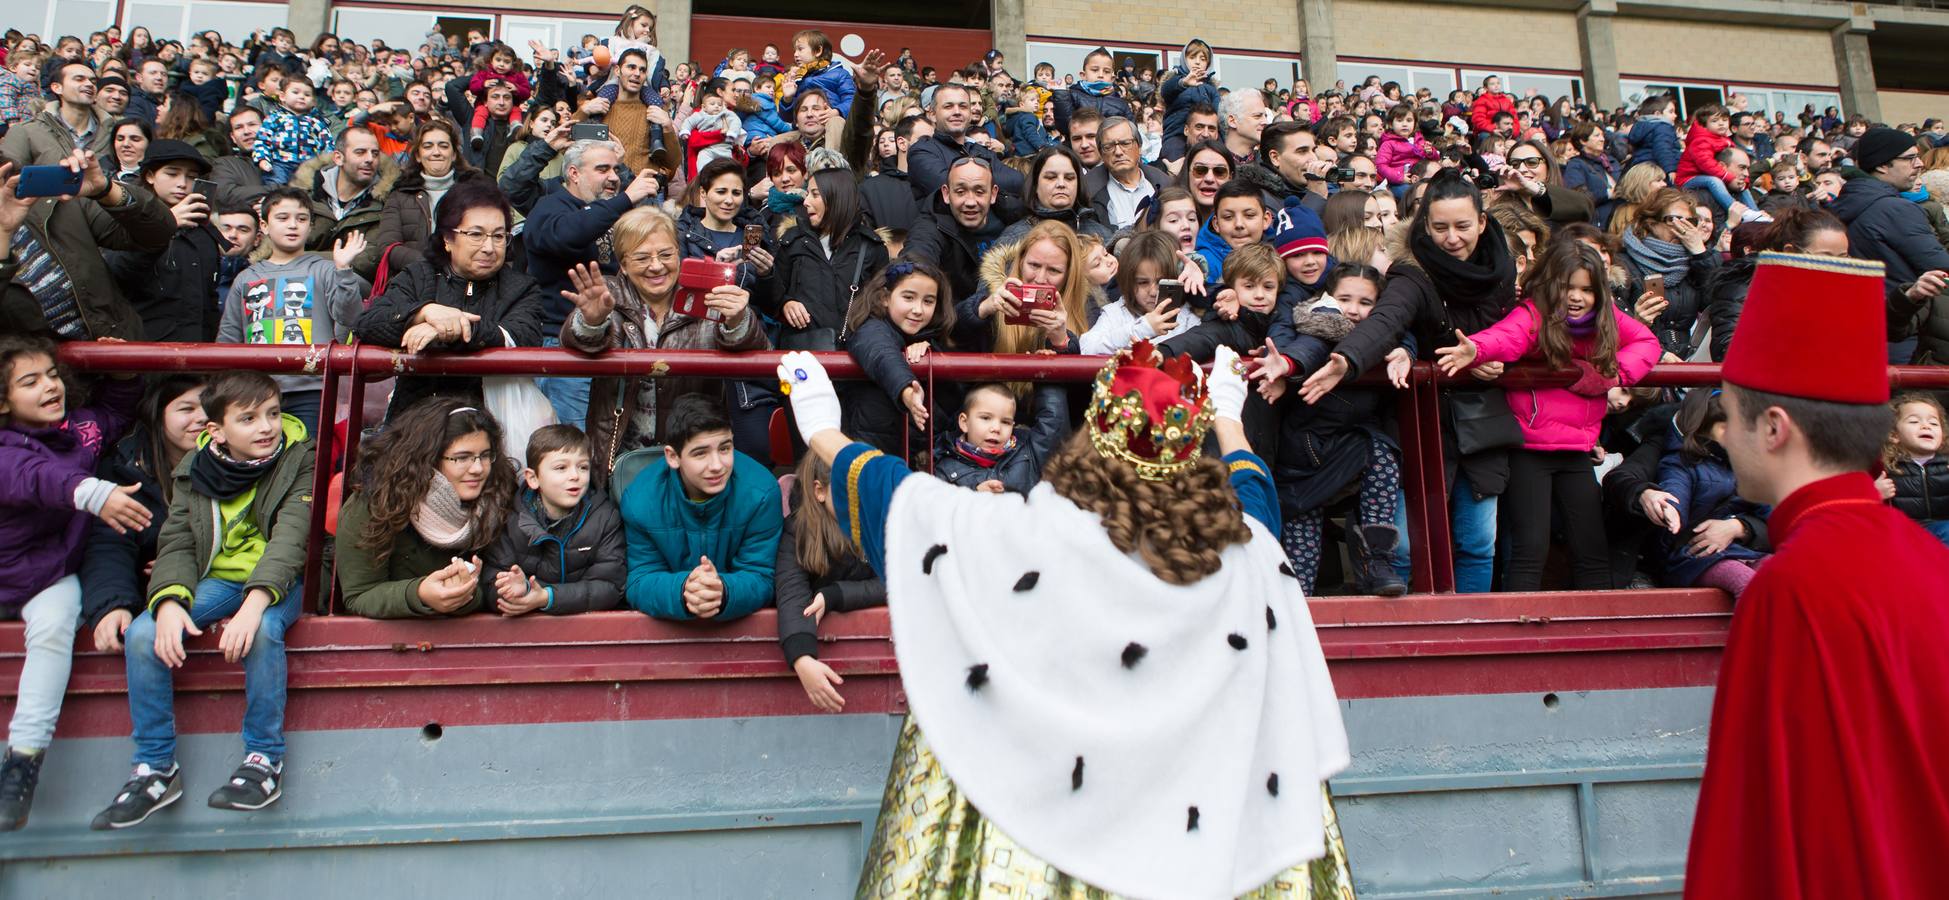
(1454, 33)
(1734, 52)
(1250, 25)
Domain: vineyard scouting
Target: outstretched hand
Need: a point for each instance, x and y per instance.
(815, 403)
(1452, 360)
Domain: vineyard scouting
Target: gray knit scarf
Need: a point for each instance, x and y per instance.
(441, 518)
(1663, 257)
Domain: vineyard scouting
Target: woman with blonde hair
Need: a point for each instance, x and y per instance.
(1637, 183)
(631, 310)
(1050, 255)
(1119, 666)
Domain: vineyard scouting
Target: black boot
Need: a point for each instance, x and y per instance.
(18, 776)
(1374, 561)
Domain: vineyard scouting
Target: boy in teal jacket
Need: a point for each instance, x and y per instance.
(703, 529)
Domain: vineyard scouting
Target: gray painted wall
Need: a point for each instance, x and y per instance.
(1448, 796)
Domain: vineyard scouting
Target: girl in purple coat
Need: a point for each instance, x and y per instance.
(1566, 319)
(47, 493)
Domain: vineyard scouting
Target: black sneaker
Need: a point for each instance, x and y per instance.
(18, 776)
(253, 786)
(147, 790)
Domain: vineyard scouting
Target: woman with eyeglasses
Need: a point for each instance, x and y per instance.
(433, 168)
(432, 491)
(1667, 241)
(461, 296)
(1530, 177)
(1056, 192)
(1207, 166)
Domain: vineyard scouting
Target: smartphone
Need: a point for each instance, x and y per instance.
(205, 187)
(1655, 287)
(589, 131)
(1170, 294)
(1034, 296)
(48, 181)
(753, 235)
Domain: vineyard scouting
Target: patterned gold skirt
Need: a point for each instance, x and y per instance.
(931, 842)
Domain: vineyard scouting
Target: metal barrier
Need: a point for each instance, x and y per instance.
(1418, 411)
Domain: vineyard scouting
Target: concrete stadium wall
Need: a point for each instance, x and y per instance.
(1913, 106)
(1454, 33)
(1526, 794)
(1270, 26)
(1674, 49)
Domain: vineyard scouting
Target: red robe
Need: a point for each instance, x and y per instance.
(1827, 774)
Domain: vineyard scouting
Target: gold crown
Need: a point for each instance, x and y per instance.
(1149, 412)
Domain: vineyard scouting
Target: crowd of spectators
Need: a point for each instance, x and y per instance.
(465, 194)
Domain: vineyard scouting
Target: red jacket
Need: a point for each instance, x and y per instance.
(1482, 113)
(1701, 145)
(1826, 774)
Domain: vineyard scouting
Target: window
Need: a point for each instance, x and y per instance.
(232, 18)
(1237, 71)
(78, 17)
(1437, 80)
(398, 28)
(1520, 84)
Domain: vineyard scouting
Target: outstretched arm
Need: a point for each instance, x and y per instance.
(863, 479)
(1251, 478)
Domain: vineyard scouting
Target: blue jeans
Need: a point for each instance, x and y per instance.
(152, 685)
(1939, 528)
(1403, 553)
(1474, 534)
(1717, 190)
(569, 396)
(281, 172)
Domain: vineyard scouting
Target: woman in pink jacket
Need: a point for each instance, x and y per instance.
(1401, 146)
(1567, 320)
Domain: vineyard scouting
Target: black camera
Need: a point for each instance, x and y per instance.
(1483, 180)
(1340, 175)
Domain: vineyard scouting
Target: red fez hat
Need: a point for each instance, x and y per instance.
(1826, 306)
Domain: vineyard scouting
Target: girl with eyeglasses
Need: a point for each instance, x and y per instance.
(1667, 241)
(432, 491)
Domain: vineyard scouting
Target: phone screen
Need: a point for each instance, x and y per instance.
(1170, 294)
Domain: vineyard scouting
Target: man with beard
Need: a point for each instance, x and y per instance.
(643, 131)
(570, 227)
(930, 158)
(347, 187)
(69, 121)
(238, 181)
(1291, 167)
(487, 145)
(962, 224)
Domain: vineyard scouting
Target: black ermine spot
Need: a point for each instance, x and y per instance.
(933, 553)
(977, 676)
(1133, 653)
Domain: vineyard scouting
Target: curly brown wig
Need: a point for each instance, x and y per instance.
(397, 467)
(1179, 527)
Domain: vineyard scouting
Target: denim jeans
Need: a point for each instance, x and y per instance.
(51, 618)
(281, 172)
(1474, 533)
(1717, 190)
(569, 396)
(1403, 552)
(152, 685)
(1939, 528)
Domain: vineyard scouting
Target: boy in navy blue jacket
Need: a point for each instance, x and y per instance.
(988, 454)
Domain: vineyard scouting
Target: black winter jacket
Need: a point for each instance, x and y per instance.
(509, 300)
(1323, 447)
(850, 584)
(872, 411)
(1685, 300)
(889, 200)
(938, 238)
(1244, 334)
(1883, 225)
(694, 240)
(581, 557)
(174, 291)
(112, 563)
(1021, 468)
(827, 286)
(1066, 102)
(930, 158)
(1922, 491)
(562, 232)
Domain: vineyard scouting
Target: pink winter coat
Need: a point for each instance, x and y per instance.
(1556, 418)
(1397, 153)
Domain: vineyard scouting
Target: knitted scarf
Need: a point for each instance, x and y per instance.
(980, 457)
(215, 473)
(798, 73)
(1581, 326)
(1095, 88)
(1656, 256)
(441, 518)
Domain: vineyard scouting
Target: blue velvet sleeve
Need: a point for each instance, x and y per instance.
(1253, 483)
(863, 481)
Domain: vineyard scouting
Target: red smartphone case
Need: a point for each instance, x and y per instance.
(695, 278)
(1034, 296)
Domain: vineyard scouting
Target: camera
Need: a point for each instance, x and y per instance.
(1340, 175)
(1483, 180)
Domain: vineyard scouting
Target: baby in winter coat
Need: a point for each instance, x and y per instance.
(988, 454)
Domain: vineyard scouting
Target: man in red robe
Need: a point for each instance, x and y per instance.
(1827, 774)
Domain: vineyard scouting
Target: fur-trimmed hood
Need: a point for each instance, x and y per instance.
(1327, 325)
(1395, 242)
(306, 176)
(1001, 259)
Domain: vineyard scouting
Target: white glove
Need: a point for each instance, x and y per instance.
(1225, 387)
(815, 405)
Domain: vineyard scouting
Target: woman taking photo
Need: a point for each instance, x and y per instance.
(1668, 243)
(632, 311)
(433, 490)
(1056, 180)
(433, 168)
(1452, 270)
(713, 226)
(462, 296)
(824, 259)
(1050, 256)
(1530, 178)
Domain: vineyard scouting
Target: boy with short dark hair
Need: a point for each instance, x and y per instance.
(703, 528)
(233, 546)
(563, 549)
(988, 454)
(1238, 219)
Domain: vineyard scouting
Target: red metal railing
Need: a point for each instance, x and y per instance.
(1419, 408)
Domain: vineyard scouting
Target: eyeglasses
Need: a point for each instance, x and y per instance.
(1200, 170)
(1527, 162)
(477, 236)
(1909, 157)
(469, 460)
(1119, 146)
